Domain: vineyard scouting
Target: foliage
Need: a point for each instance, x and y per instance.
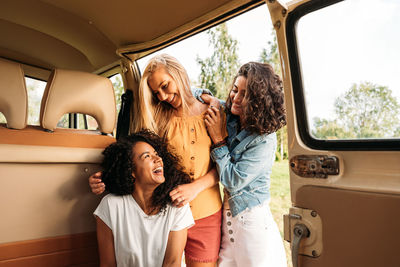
(118, 89)
(217, 72)
(270, 55)
(282, 145)
(325, 129)
(364, 111)
(280, 198)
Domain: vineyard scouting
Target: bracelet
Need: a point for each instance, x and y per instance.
(218, 144)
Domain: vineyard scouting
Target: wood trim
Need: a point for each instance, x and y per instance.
(34, 135)
(55, 251)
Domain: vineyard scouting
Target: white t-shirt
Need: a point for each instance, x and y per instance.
(140, 239)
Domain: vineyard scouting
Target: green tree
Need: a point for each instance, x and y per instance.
(330, 129)
(365, 110)
(270, 55)
(217, 72)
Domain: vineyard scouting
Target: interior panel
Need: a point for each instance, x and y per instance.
(358, 227)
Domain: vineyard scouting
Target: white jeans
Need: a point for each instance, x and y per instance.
(251, 239)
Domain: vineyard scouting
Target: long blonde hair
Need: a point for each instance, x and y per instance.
(149, 112)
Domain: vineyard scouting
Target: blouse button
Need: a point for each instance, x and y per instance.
(192, 142)
(229, 223)
(232, 240)
(228, 214)
(230, 232)
(192, 158)
(192, 130)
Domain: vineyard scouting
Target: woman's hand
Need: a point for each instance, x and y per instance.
(213, 123)
(96, 184)
(210, 100)
(184, 193)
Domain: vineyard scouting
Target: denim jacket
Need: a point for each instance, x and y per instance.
(244, 166)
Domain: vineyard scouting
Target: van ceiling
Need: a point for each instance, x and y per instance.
(85, 34)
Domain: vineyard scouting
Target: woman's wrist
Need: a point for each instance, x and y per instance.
(220, 143)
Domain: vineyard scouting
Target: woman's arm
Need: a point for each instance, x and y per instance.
(176, 244)
(105, 240)
(96, 184)
(237, 173)
(256, 160)
(185, 193)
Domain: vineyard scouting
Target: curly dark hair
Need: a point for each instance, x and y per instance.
(265, 111)
(118, 167)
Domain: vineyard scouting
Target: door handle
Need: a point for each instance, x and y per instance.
(300, 231)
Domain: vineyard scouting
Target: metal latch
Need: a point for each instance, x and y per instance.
(303, 229)
(314, 166)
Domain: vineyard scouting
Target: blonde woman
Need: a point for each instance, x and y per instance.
(166, 106)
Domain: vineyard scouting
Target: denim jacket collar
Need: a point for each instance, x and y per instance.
(232, 126)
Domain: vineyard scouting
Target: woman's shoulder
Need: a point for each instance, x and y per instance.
(177, 210)
(262, 139)
(113, 200)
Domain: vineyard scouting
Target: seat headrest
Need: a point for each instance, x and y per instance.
(78, 92)
(13, 95)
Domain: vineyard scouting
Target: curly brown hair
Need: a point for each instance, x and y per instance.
(118, 166)
(265, 111)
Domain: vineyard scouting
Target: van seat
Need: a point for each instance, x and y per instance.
(78, 92)
(13, 94)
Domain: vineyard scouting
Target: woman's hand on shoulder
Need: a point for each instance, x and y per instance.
(183, 194)
(95, 183)
(210, 100)
(213, 122)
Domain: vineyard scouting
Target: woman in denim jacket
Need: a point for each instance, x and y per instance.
(255, 111)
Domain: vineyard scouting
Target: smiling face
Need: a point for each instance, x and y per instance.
(237, 95)
(148, 171)
(164, 88)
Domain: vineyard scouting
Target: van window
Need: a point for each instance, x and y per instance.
(2, 118)
(349, 70)
(35, 89)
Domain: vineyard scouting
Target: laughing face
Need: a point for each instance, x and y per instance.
(149, 168)
(164, 88)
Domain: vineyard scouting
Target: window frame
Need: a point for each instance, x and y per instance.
(391, 144)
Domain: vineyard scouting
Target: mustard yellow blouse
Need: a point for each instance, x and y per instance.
(188, 138)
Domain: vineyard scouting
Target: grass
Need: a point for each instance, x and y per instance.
(280, 198)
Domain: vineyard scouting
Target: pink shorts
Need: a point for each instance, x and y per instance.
(204, 239)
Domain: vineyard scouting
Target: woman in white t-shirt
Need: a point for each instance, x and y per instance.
(136, 223)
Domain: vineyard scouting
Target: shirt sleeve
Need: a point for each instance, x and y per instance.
(103, 211)
(183, 218)
(255, 160)
(197, 92)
